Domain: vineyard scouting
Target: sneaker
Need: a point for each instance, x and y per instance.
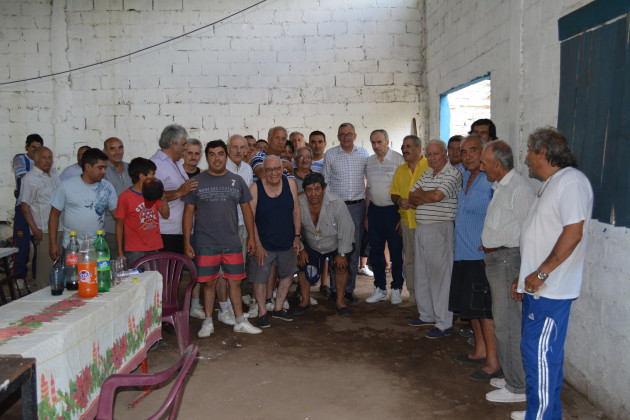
(246, 299)
(283, 315)
(497, 382)
(198, 312)
(269, 304)
(366, 271)
(420, 323)
(438, 333)
(227, 317)
(377, 296)
(394, 297)
(247, 328)
(253, 310)
(503, 395)
(313, 302)
(518, 415)
(207, 328)
(299, 310)
(263, 321)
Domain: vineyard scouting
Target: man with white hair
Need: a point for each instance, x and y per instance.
(435, 198)
(176, 184)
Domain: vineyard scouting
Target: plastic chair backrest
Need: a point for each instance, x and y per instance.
(108, 390)
(170, 266)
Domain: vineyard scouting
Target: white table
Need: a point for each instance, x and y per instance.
(79, 342)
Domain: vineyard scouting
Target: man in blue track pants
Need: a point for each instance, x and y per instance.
(553, 248)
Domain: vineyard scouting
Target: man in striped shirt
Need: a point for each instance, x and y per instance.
(435, 198)
(317, 143)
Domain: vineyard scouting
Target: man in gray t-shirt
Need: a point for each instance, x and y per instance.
(218, 247)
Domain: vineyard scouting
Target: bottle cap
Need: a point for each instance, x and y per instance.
(99, 232)
(73, 233)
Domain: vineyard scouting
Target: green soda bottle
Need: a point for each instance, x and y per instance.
(103, 269)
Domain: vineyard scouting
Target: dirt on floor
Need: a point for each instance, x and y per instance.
(369, 365)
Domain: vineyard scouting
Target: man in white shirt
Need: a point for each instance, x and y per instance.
(176, 184)
(500, 239)
(383, 218)
(38, 187)
(553, 249)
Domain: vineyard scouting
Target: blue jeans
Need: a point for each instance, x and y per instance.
(382, 225)
(22, 241)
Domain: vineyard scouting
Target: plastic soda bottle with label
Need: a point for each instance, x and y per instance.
(72, 260)
(88, 286)
(103, 269)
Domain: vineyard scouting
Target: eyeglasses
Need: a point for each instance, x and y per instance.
(274, 169)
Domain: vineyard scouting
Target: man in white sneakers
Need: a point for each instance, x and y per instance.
(216, 200)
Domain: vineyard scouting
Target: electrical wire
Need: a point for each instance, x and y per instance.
(134, 52)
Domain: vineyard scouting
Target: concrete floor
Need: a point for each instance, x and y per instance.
(369, 365)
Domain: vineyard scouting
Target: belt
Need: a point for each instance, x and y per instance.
(489, 250)
(353, 201)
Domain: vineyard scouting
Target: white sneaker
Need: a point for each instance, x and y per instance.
(377, 296)
(366, 271)
(497, 382)
(314, 302)
(518, 415)
(207, 328)
(246, 299)
(247, 328)
(227, 317)
(197, 312)
(502, 395)
(253, 310)
(270, 305)
(394, 297)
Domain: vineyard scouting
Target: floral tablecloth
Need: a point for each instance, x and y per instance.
(79, 342)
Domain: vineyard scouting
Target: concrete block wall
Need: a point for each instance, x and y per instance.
(517, 43)
(309, 64)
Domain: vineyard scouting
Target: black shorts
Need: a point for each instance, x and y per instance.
(470, 292)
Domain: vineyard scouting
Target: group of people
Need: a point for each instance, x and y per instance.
(455, 222)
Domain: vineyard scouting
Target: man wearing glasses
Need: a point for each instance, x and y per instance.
(344, 172)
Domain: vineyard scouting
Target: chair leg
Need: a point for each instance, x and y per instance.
(147, 390)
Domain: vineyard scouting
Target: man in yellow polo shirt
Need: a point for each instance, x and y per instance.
(405, 177)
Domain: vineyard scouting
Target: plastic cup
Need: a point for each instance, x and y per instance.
(57, 281)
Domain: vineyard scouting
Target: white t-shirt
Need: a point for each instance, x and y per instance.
(566, 199)
(84, 206)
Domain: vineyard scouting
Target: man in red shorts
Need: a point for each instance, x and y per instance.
(216, 199)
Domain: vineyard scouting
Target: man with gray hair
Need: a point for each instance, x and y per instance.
(176, 184)
(277, 140)
(553, 249)
(500, 239)
(192, 156)
(435, 199)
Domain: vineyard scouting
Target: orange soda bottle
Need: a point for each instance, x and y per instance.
(88, 285)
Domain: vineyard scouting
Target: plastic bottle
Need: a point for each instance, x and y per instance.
(88, 286)
(103, 268)
(72, 259)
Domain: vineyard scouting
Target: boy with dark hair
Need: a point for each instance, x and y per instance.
(137, 218)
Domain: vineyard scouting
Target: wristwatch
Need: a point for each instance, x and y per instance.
(542, 275)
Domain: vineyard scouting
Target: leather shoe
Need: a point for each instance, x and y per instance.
(480, 375)
(343, 311)
(350, 296)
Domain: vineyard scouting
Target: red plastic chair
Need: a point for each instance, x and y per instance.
(108, 390)
(170, 265)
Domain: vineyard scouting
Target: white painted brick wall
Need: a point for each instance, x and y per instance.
(306, 65)
(522, 52)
